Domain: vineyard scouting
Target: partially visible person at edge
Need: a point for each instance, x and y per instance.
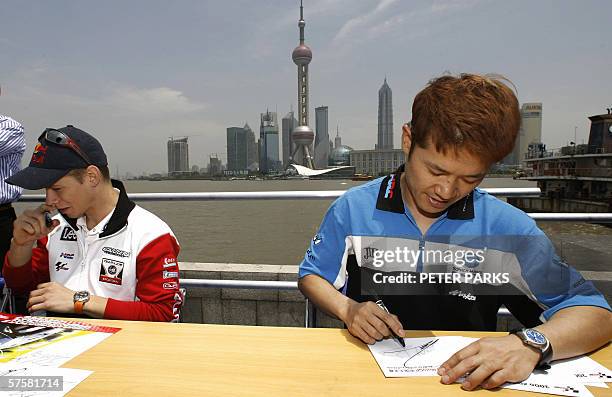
(460, 127)
(100, 255)
(12, 147)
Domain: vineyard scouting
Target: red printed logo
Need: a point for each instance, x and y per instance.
(170, 285)
(38, 157)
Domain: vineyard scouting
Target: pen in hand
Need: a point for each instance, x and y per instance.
(399, 339)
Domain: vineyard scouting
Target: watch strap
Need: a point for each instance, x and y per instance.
(78, 307)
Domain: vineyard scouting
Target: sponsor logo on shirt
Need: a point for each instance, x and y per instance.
(390, 187)
(115, 251)
(61, 266)
(170, 285)
(176, 307)
(66, 255)
(168, 274)
(464, 295)
(310, 255)
(316, 239)
(68, 234)
(111, 271)
(169, 262)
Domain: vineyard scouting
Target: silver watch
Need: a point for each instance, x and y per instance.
(81, 296)
(536, 339)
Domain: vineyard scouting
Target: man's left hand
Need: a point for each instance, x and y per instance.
(490, 362)
(51, 297)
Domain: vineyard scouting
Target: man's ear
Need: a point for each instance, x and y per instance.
(406, 139)
(93, 176)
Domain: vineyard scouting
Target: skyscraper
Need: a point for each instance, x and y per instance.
(531, 127)
(178, 156)
(337, 139)
(321, 148)
(241, 149)
(252, 150)
(302, 135)
(268, 139)
(385, 117)
(289, 123)
(236, 150)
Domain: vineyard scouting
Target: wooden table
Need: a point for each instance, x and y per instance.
(161, 359)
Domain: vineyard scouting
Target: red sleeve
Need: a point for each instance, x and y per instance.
(157, 287)
(25, 278)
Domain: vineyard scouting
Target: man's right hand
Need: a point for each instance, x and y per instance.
(30, 226)
(368, 322)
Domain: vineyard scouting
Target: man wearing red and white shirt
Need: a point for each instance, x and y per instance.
(101, 255)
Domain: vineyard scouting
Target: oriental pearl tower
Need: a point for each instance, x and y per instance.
(302, 135)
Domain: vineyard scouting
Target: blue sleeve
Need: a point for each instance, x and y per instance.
(555, 284)
(327, 249)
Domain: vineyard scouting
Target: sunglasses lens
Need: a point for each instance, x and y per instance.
(56, 137)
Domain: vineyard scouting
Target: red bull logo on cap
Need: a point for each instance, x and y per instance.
(38, 157)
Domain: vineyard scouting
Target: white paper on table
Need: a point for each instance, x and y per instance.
(581, 370)
(70, 379)
(58, 353)
(599, 384)
(566, 377)
(396, 361)
(546, 383)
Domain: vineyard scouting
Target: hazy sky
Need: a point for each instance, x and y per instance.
(134, 73)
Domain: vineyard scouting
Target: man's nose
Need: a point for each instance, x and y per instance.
(445, 189)
(51, 197)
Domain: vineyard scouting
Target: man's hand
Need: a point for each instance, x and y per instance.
(490, 362)
(30, 225)
(368, 322)
(52, 297)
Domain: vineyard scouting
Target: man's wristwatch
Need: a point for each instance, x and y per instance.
(537, 340)
(80, 298)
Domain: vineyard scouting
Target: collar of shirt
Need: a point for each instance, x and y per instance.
(99, 228)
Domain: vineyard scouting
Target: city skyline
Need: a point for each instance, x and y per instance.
(140, 82)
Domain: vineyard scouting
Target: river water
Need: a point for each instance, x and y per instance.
(270, 231)
(263, 231)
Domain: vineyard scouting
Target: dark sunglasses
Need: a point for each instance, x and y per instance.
(57, 137)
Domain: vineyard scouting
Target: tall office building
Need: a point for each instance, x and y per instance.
(337, 139)
(321, 148)
(178, 156)
(215, 167)
(302, 135)
(252, 150)
(531, 127)
(530, 132)
(385, 117)
(268, 140)
(236, 149)
(241, 150)
(289, 123)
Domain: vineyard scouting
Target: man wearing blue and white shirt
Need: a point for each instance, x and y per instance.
(444, 255)
(12, 147)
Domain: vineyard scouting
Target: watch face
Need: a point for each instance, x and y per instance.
(81, 296)
(535, 336)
